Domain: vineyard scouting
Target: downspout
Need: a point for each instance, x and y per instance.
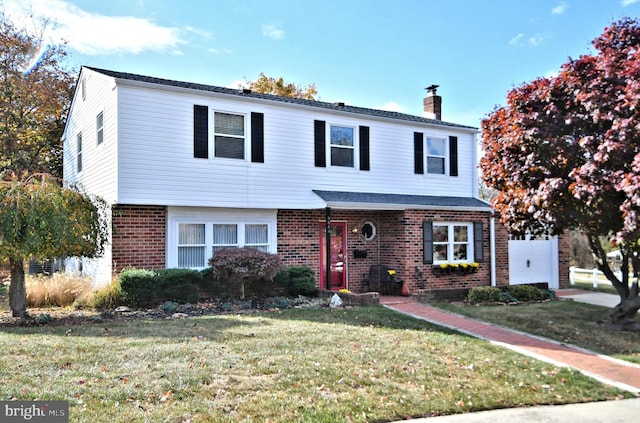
(327, 237)
(492, 246)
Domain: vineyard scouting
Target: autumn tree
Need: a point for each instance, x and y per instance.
(277, 86)
(35, 92)
(41, 219)
(564, 153)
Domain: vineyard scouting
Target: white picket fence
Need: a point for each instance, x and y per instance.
(593, 276)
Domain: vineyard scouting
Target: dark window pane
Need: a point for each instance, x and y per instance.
(440, 234)
(230, 148)
(435, 165)
(229, 124)
(341, 157)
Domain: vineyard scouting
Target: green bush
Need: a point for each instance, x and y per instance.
(297, 280)
(178, 285)
(139, 287)
(483, 294)
(525, 292)
(505, 297)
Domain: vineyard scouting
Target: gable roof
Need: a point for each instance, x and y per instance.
(245, 93)
(376, 201)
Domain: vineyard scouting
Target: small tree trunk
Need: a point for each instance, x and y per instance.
(17, 289)
(623, 315)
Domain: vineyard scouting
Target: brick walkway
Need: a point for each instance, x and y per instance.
(614, 372)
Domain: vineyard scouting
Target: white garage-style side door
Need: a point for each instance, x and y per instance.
(534, 260)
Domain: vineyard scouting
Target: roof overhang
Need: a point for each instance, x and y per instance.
(378, 201)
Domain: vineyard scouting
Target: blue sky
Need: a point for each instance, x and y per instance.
(378, 54)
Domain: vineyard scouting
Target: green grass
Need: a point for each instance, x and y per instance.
(565, 321)
(312, 365)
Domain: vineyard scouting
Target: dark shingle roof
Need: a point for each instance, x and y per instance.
(398, 201)
(249, 94)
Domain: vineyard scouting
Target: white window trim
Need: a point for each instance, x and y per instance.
(79, 148)
(212, 136)
(450, 243)
(100, 129)
(240, 217)
(427, 155)
(356, 144)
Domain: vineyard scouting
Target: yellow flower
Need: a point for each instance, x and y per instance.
(474, 264)
(391, 272)
(345, 291)
(444, 266)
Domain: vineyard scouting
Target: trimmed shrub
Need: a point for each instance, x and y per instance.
(297, 280)
(504, 297)
(244, 271)
(525, 292)
(139, 287)
(178, 285)
(483, 294)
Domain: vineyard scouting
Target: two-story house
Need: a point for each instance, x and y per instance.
(191, 168)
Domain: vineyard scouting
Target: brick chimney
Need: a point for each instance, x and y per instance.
(432, 103)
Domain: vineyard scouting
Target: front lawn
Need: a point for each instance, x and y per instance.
(312, 365)
(566, 321)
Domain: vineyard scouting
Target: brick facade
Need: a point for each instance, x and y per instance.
(398, 244)
(139, 237)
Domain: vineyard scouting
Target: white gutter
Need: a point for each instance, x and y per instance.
(492, 246)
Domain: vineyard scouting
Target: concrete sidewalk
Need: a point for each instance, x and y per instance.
(621, 374)
(589, 297)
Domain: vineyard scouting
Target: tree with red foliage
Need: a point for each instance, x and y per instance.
(565, 154)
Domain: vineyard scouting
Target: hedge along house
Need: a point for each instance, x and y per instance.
(192, 168)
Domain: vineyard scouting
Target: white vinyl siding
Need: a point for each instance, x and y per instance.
(156, 163)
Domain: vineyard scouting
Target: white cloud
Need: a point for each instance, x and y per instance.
(521, 39)
(626, 3)
(392, 106)
(237, 84)
(273, 31)
(516, 40)
(95, 34)
(563, 6)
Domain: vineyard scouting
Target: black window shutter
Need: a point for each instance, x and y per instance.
(364, 148)
(257, 137)
(427, 240)
(477, 242)
(418, 152)
(200, 131)
(453, 156)
(319, 143)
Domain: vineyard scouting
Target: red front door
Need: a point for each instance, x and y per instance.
(338, 240)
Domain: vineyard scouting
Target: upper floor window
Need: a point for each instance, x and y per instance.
(452, 242)
(79, 151)
(100, 128)
(439, 154)
(342, 146)
(436, 156)
(229, 135)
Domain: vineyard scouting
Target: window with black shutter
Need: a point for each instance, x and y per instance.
(319, 135)
(418, 152)
(200, 132)
(257, 137)
(453, 156)
(364, 148)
